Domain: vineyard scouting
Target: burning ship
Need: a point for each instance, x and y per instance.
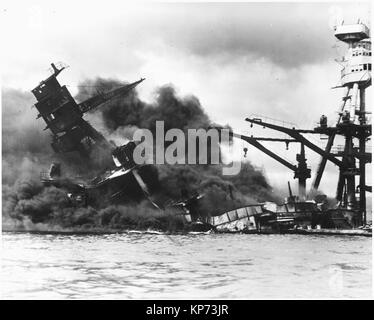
(125, 181)
(122, 180)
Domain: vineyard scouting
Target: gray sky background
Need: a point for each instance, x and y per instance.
(272, 59)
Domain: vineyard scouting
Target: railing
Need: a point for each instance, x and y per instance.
(277, 122)
(44, 176)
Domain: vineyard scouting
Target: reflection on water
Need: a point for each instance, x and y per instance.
(229, 266)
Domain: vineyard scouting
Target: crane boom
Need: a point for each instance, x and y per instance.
(99, 99)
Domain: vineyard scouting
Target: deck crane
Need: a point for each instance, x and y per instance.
(301, 170)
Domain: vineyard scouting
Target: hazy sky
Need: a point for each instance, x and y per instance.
(272, 59)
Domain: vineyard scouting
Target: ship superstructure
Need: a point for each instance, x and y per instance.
(121, 180)
(64, 117)
(352, 126)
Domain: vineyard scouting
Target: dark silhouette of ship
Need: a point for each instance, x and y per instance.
(122, 180)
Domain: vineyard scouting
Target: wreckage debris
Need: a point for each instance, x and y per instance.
(126, 181)
(71, 133)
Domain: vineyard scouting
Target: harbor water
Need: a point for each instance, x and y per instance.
(157, 266)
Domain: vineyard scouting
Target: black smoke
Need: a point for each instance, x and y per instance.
(26, 152)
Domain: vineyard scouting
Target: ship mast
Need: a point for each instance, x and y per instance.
(352, 124)
(352, 121)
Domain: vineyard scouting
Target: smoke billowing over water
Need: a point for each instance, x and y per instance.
(28, 205)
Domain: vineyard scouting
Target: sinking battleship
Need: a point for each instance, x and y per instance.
(122, 179)
(119, 180)
(125, 181)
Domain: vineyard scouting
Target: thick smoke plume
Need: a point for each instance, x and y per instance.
(28, 205)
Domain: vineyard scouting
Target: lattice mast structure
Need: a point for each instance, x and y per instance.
(352, 122)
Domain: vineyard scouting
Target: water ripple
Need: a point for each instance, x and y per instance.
(145, 266)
